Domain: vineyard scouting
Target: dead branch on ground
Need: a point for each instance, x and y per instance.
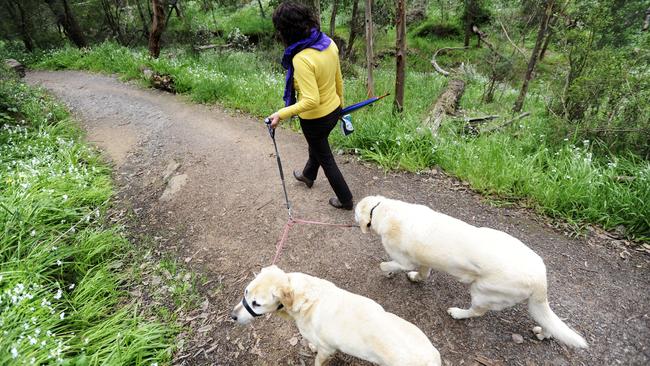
(435, 63)
(505, 124)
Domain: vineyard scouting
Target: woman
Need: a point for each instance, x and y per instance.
(313, 70)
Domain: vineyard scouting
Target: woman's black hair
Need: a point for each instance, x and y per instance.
(294, 21)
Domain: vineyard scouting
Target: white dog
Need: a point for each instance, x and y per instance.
(332, 319)
(501, 270)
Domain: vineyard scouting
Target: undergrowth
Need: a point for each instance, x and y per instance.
(563, 179)
(62, 265)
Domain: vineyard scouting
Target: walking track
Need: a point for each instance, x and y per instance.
(222, 211)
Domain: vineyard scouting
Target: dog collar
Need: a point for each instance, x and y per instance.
(371, 211)
(251, 311)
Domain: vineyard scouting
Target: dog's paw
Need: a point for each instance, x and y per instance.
(414, 276)
(312, 347)
(457, 313)
(385, 267)
(540, 334)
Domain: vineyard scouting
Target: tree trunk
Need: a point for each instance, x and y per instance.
(113, 19)
(66, 20)
(549, 34)
(400, 55)
(157, 27)
(446, 103)
(259, 2)
(369, 49)
(22, 23)
(469, 20)
(145, 23)
(354, 28)
(543, 25)
(335, 8)
(646, 22)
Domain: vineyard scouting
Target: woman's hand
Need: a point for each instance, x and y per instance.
(275, 120)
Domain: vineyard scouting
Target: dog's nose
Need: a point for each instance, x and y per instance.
(233, 316)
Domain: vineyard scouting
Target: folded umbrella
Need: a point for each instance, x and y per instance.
(354, 107)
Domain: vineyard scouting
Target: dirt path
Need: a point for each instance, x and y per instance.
(223, 211)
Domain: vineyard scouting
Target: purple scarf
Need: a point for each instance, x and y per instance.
(316, 40)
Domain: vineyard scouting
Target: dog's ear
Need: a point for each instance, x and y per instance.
(285, 295)
(362, 214)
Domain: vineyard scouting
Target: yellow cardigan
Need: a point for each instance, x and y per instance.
(318, 83)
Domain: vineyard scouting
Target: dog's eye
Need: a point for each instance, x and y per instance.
(255, 303)
(246, 292)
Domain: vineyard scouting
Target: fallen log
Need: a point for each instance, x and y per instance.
(160, 81)
(447, 103)
(505, 124)
(16, 66)
(435, 63)
(471, 124)
(211, 46)
(481, 119)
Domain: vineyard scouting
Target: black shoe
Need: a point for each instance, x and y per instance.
(345, 206)
(308, 182)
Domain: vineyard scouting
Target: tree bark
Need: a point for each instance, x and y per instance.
(22, 23)
(369, 49)
(65, 19)
(335, 8)
(446, 103)
(157, 27)
(145, 23)
(354, 28)
(646, 22)
(543, 26)
(549, 34)
(400, 55)
(259, 2)
(469, 20)
(113, 19)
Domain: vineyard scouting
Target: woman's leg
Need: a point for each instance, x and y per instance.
(316, 133)
(311, 167)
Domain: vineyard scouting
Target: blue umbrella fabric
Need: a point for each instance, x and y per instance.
(354, 107)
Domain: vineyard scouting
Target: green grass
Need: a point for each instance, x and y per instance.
(62, 266)
(521, 163)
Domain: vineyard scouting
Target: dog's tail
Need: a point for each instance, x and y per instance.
(541, 311)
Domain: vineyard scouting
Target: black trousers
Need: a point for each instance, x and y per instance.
(316, 132)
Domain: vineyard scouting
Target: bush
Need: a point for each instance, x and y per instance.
(438, 29)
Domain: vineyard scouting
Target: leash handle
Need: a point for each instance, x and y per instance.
(267, 121)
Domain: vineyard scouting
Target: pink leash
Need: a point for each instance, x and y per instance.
(285, 233)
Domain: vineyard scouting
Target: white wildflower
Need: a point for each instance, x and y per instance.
(14, 352)
(58, 294)
(71, 286)
(58, 262)
(33, 233)
(65, 197)
(62, 315)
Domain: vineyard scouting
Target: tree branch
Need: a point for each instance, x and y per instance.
(510, 40)
(505, 124)
(435, 64)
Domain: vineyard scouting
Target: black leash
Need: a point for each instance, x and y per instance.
(267, 121)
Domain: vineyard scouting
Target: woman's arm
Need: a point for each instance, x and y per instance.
(305, 78)
(339, 81)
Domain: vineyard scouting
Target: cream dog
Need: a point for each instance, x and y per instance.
(333, 319)
(500, 269)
